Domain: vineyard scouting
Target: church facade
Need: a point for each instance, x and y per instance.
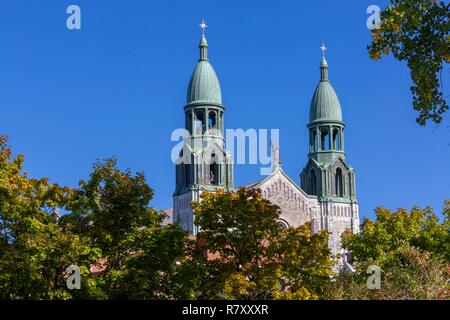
(326, 195)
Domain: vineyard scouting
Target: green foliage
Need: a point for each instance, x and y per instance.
(418, 228)
(250, 256)
(411, 248)
(111, 204)
(109, 227)
(35, 249)
(112, 211)
(305, 261)
(417, 31)
(108, 224)
(407, 274)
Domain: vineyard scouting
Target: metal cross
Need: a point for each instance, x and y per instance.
(323, 48)
(203, 26)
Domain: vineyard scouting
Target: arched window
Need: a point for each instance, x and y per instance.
(199, 122)
(283, 225)
(338, 183)
(212, 122)
(336, 139)
(214, 170)
(313, 182)
(324, 139)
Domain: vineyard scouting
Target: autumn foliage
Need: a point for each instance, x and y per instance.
(107, 227)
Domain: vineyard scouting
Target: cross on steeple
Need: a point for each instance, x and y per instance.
(203, 26)
(323, 48)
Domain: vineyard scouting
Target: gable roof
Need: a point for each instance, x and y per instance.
(337, 158)
(326, 165)
(276, 172)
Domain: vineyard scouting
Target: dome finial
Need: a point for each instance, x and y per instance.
(204, 86)
(203, 43)
(323, 48)
(203, 26)
(325, 104)
(323, 64)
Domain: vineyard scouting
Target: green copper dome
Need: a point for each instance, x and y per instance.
(325, 104)
(204, 85)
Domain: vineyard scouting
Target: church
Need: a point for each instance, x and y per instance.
(326, 194)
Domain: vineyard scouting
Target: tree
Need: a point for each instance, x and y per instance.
(113, 210)
(411, 249)
(417, 31)
(419, 228)
(35, 250)
(407, 273)
(248, 256)
(305, 261)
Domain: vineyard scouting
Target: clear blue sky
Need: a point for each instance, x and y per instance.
(118, 87)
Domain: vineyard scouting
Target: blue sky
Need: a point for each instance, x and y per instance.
(118, 86)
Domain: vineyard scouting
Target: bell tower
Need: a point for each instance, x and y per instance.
(204, 164)
(327, 174)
